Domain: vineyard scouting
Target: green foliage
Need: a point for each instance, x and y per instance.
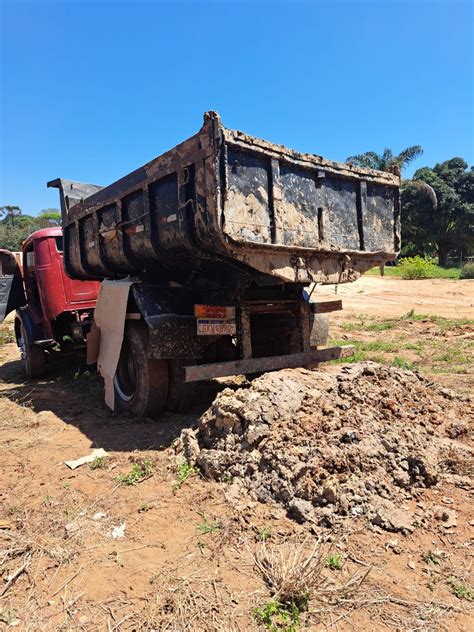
(185, 470)
(141, 469)
(467, 271)
(461, 590)
(401, 363)
(15, 227)
(207, 526)
(386, 161)
(450, 227)
(278, 617)
(265, 534)
(437, 272)
(416, 268)
(335, 562)
(98, 463)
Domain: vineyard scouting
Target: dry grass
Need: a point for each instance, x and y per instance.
(295, 573)
(194, 602)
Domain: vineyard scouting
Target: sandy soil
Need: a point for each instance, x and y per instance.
(186, 558)
(390, 297)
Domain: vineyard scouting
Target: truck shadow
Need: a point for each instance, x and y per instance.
(75, 395)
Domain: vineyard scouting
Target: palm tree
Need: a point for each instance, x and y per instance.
(395, 164)
(387, 161)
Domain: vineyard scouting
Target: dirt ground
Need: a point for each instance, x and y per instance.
(82, 550)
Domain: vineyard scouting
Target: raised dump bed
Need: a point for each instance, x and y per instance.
(223, 196)
(218, 238)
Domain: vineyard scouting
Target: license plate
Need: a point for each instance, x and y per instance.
(215, 327)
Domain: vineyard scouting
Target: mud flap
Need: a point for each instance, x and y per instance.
(110, 314)
(12, 294)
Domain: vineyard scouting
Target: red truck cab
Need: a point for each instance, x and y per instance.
(54, 312)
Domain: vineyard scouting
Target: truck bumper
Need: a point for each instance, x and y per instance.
(258, 365)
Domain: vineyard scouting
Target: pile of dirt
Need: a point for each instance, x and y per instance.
(332, 445)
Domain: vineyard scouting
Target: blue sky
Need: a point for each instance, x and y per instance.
(92, 90)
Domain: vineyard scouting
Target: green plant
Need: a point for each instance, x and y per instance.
(141, 469)
(185, 470)
(206, 527)
(416, 268)
(98, 463)
(144, 507)
(433, 556)
(461, 590)
(401, 363)
(467, 271)
(335, 562)
(278, 617)
(265, 534)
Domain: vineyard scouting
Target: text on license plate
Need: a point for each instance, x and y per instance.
(215, 327)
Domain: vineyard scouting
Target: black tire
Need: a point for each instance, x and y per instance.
(140, 384)
(181, 394)
(33, 356)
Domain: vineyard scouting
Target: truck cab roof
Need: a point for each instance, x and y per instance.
(42, 233)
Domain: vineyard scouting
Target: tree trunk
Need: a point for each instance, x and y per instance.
(443, 252)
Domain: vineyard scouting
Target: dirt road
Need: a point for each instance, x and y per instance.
(82, 550)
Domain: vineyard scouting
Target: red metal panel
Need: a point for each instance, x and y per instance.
(57, 292)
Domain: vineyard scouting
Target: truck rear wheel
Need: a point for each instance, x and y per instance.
(33, 356)
(181, 394)
(140, 384)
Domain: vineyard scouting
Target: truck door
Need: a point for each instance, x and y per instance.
(12, 293)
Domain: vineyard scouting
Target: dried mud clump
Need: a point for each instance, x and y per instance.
(330, 446)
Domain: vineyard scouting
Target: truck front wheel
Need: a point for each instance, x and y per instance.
(140, 384)
(33, 356)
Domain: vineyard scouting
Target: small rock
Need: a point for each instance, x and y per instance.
(301, 510)
(448, 517)
(350, 436)
(457, 429)
(392, 518)
(411, 564)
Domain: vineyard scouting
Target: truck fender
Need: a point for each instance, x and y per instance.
(110, 315)
(34, 330)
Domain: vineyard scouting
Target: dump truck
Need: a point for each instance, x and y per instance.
(209, 255)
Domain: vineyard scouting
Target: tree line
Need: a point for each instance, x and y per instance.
(16, 226)
(437, 204)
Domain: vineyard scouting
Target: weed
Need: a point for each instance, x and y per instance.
(416, 268)
(206, 527)
(265, 534)
(334, 562)
(185, 470)
(382, 325)
(140, 470)
(276, 616)
(401, 363)
(144, 507)
(98, 463)
(48, 500)
(435, 557)
(461, 590)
